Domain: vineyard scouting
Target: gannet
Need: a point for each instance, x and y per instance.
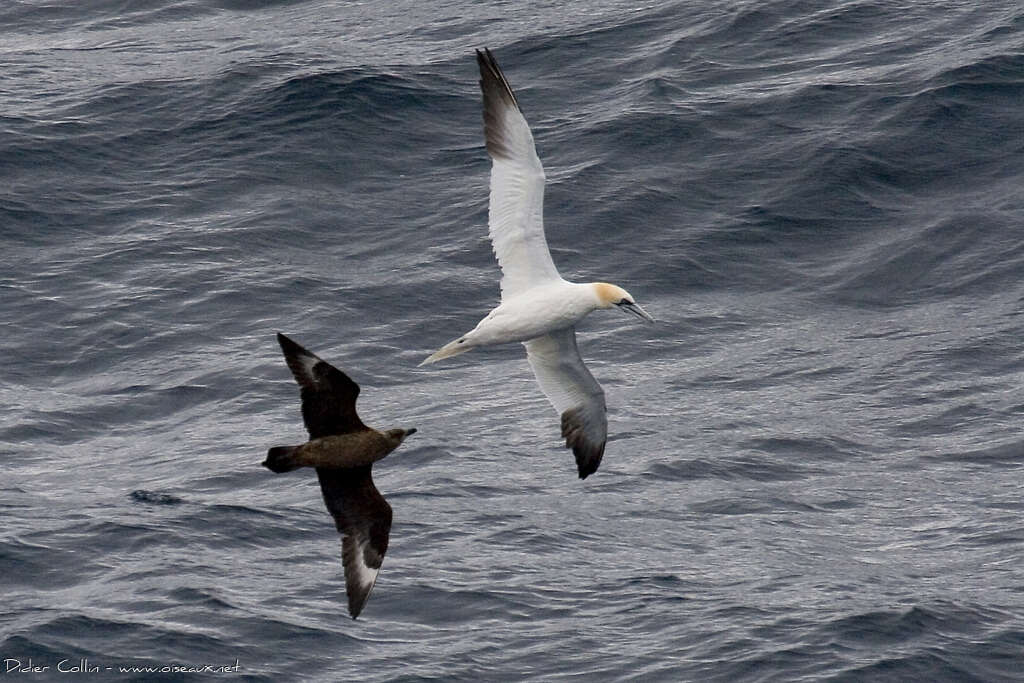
(343, 450)
(538, 307)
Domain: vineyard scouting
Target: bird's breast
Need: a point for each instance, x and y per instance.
(532, 314)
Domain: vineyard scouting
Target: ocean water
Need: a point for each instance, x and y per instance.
(815, 469)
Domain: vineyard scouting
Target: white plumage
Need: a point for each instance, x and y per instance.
(538, 307)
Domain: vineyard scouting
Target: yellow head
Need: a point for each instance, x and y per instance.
(609, 295)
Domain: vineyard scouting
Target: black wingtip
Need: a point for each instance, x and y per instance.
(487, 61)
(498, 98)
(588, 454)
(289, 345)
(587, 462)
(356, 604)
(493, 78)
(293, 351)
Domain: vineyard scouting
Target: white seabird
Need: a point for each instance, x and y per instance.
(538, 307)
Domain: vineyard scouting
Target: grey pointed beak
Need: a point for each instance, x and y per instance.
(409, 432)
(636, 310)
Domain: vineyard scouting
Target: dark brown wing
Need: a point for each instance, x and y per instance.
(328, 395)
(363, 518)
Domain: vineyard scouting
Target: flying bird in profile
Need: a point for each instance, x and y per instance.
(343, 450)
(538, 307)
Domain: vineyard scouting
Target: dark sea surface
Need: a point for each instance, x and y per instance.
(815, 469)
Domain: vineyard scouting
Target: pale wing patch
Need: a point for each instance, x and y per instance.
(360, 576)
(574, 393)
(309, 362)
(301, 361)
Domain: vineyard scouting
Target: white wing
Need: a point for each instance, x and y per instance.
(516, 217)
(574, 392)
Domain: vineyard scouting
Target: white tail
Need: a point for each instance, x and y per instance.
(448, 350)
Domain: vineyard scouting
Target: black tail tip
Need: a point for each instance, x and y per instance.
(281, 459)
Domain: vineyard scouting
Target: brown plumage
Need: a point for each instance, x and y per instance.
(342, 450)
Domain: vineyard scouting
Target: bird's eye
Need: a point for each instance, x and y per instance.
(623, 302)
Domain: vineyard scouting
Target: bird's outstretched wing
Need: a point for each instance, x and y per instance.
(328, 395)
(363, 518)
(574, 392)
(516, 216)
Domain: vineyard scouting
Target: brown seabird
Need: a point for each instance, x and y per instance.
(343, 450)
